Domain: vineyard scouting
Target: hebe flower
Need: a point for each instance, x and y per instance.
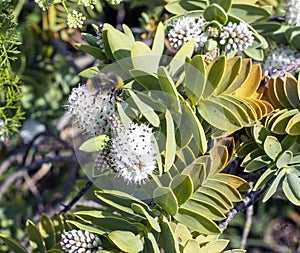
(44, 4)
(131, 153)
(236, 37)
(279, 57)
(88, 3)
(79, 241)
(292, 12)
(91, 109)
(185, 29)
(114, 2)
(99, 37)
(75, 19)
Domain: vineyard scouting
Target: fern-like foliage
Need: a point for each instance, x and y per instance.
(10, 111)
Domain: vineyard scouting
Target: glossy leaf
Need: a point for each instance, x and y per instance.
(182, 234)
(35, 238)
(205, 208)
(109, 221)
(195, 76)
(196, 221)
(248, 12)
(47, 231)
(265, 177)
(272, 147)
(159, 39)
(168, 239)
(166, 199)
(224, 4)
(215, 12)
(95, 144)
(144, 58)
(293, 126)
(215, 246)
(274, 186)
(291, 189)
(13, 245)
(145, 109)
(126, 241)
(170, 142)
(178, 60)
(215, 73)
(257, 163)
(141, 210)
(284, 159)
(191, 246)
(150, 244)
(195, 127)
(179, 182)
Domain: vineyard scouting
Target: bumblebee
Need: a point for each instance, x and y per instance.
(105, 83)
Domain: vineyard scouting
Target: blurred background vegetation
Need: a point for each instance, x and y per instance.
(47, 64)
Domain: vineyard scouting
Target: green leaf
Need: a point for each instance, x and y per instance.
(92, 50)
(141, 210)
(150, 245)
(170, 142)
(146, 79)
(182, 233)
(145, 110)
(95, 144)
(55, 251)
(169, 242)
(47, 231)
(257, 163)
(293, 126)
(195, 126)
(110, 222)
(196, 221)
(205, 208)
(293, 36)
(215, 73)
(119, 200)
(278, 180)
(167, 85)
(272, 147)
(90, 39)
(182, 7)
(178, 60)
(250, 13)
(13, 245)
(254, 53)
(35, 238)
(232, 71)
(58, 226)
(86, 227)
(224, 4)
(218, 116)
(126, 241)
(166, 199)
(265, 177)
(179, 182)
(195, 76)
(128, 32)
(215, 12)
(294, 183)
(291, 190)
(284, 159)
(159, 40)
(191, 246)
(215, 246)
(144, 58)
(119, 43)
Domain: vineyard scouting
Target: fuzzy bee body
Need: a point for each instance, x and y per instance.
(105, 83)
